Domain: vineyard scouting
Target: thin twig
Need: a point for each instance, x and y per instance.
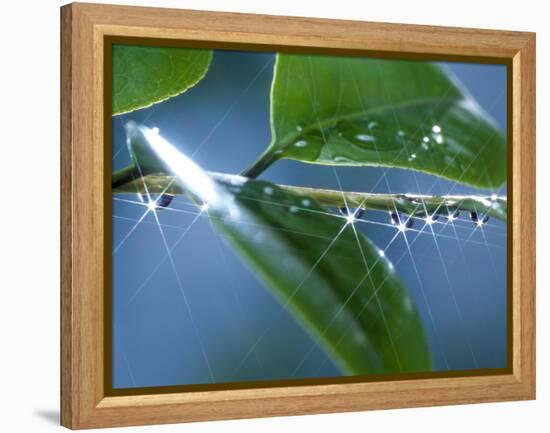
(411, 204)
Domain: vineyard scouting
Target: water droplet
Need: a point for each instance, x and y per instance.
(268, 190)
(293, 209)
(425, 146)
(342, 159)
(373, 124)
(155, 130)
(436, 129)
(352, 215)
(359, 135)
(236, 180)
(401, 133)
(298, 128)
(478, 218)
(366, 138)
(160, 202)
(494, 197)
(412, 157)
(306, 202)
(307, 146)
(438, 138)
(402, 223)
(381, 253)
(151, 205)
(453, 214)
(430, 219)
(278, 152)
(426, 139)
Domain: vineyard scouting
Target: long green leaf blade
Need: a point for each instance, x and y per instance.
(319, 265)
(331, 277)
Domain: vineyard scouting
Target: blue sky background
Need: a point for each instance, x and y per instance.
(224, 121)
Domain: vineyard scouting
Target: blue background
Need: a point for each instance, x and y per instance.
(224, 123)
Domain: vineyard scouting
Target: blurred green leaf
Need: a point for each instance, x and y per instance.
(143, 76)
(373, 112)
(329, 275)
(335, 281)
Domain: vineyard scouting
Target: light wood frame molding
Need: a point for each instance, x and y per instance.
(83, 263)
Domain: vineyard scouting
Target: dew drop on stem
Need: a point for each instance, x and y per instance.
(453, 214)
(406, 222)
(356, 213)
(164, 200)
(478, 218)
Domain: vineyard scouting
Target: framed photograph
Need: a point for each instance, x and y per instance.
(269, 216)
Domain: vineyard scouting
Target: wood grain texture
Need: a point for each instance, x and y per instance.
(67, 388)
(524, 216)
(84, 28)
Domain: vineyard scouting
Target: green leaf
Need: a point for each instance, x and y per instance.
(331, 277)
(143, 76)
(372, 112)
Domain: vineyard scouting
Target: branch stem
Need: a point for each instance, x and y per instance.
(410, 204)
(260, 165)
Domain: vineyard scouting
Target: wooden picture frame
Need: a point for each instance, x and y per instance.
(86, 32)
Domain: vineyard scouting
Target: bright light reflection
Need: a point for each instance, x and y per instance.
(192, 176)
(152, 205)
(350, 218)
